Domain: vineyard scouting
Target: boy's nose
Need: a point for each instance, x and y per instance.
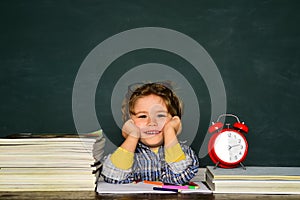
(152, 121)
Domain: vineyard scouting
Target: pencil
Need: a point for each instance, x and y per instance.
(178, 187)
(154, 183)
(193, 184)
(166, 189)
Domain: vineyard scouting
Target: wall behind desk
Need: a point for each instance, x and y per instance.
(255, 44)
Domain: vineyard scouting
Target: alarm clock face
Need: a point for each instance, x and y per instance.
(230, 147)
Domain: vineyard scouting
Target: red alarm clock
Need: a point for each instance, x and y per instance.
(228, 147)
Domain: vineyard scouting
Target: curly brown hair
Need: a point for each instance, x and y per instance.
(162, 89)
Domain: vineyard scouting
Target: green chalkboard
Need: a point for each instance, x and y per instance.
(254, 44)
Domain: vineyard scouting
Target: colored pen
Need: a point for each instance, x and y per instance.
(193, 184)
(137, 181)
(193, 187)
(154, 182)
(166, 189)
(178, 187)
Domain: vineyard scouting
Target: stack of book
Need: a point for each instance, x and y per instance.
(47, 164)
(259, 180)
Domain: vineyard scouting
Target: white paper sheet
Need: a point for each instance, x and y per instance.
(141, 187)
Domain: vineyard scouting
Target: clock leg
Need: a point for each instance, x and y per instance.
(243, 166)
(215, 167)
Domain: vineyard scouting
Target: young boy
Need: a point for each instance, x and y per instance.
(151, 150)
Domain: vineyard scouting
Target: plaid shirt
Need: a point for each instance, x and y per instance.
(153, 167)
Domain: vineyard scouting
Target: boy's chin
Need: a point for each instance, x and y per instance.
(152, 144)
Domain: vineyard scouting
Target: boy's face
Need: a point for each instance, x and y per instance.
(151, 115)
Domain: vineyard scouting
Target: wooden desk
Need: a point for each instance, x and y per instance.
(94, 196)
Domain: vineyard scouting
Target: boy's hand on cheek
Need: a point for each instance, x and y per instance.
(171, 130)
(173, 125)
(129, 128)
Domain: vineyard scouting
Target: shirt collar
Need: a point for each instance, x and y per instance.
(143, 146)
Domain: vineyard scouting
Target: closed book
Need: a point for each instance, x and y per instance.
(265, 180)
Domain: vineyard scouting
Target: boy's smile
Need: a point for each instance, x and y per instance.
(150, 115)
(152, 132)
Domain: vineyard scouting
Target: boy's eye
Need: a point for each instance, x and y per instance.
(142, 116)
(161, 115)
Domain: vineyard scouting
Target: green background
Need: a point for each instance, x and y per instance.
(255, 45)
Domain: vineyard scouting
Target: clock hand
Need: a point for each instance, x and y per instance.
(230, 147)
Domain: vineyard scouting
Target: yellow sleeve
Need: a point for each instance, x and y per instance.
(122, 158)
(174, 154)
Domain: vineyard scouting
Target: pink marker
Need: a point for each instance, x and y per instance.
(178, 187)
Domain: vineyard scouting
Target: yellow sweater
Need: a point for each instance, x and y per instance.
(123, 159)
